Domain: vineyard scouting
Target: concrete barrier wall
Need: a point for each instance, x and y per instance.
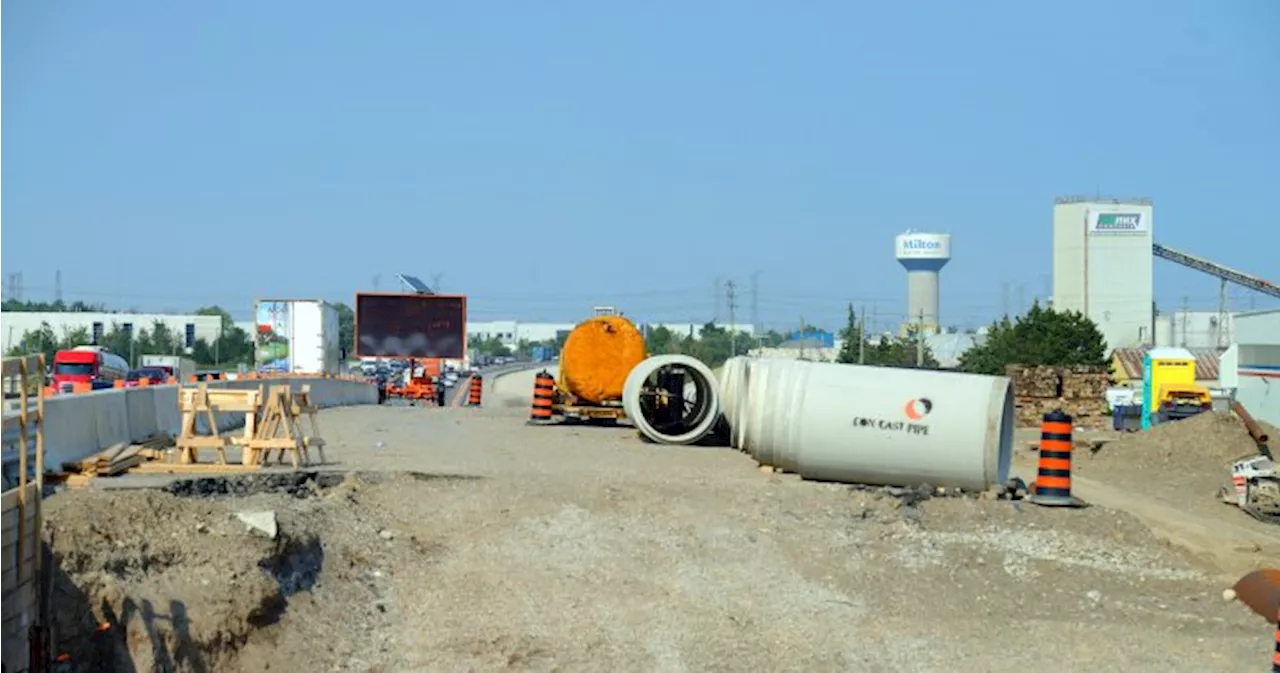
(80, 425)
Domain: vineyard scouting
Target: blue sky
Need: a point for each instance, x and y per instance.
(545, 157)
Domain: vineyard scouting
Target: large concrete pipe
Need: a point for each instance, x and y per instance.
(672, 399)
(875, 425)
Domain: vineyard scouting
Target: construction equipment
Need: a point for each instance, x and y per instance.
(1177, 401)
(594, 363)
(419, 383)
(1255, 480)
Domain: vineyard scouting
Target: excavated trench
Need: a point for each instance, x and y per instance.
(173, 579)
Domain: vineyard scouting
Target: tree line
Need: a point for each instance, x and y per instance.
(1041, 336)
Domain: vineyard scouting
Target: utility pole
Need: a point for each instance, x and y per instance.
(1186, 301)
(435, 282)
(1004, 297)
(57, 285)
(862, 336)
(715, 298)
(376, 278)
(731, 293)
(1022, 304)
(920, 341)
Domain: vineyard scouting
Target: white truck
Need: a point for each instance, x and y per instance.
(179, 367)
(297, 336)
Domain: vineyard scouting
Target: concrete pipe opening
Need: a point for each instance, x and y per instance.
(672, 399)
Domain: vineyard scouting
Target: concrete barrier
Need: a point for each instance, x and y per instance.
(80, 425)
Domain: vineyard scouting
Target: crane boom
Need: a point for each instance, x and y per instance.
(1217, 270)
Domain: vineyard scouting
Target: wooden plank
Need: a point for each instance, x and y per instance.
(10, 518)
(14, 421)
(204, 442)
(11, 578)
(175, 468)
(116, 467)
(11, 497)
(9, 559)
(16, 598)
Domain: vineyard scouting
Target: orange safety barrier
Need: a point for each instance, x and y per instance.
(144, 382)
(1053, 478)
(81, 387)
(544, 391)
(171, 380)
(118, 383)
(477, 388)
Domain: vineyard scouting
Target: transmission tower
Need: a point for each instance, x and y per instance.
(731, 294)
(755, 303)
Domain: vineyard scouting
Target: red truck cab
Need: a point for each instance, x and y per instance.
(87, 364)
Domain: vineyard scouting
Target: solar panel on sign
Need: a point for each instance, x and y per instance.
(414, 283)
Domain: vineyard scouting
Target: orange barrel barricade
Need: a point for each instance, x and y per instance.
(477, 386)
(118, 383)
(1053, 478)
(544, 390)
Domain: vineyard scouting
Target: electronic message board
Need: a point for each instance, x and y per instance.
(411, 325)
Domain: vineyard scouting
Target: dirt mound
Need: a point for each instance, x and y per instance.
(1182, 463)
(1209, 440)
(176, 581)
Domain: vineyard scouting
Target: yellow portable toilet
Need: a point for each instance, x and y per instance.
(1164, 366)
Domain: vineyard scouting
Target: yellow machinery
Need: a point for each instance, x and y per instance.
(1170, 391)
(594, 363)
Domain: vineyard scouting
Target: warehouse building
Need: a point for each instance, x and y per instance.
(14, 325)
(1102, 266)
(1252, 365)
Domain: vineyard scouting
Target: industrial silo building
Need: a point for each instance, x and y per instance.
(1102, 265)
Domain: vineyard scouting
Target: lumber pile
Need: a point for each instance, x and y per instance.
(116, 459)
(1078, 390)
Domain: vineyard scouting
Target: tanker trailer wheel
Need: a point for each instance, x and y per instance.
(672, 399)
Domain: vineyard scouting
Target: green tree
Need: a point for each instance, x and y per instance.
(853, 339)
(491, 346)
(346, 328)
(20, 306)
(901, 352)
(1042, 336)
(40, 340)
(662, 341)
(715, 344)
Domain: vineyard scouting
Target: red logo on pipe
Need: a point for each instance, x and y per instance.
(918, 408)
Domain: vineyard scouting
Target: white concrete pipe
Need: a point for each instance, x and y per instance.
(697, 419)
(874, 425)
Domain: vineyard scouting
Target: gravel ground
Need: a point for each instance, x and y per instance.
(582, 548)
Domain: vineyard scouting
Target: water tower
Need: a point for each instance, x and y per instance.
(923, 255)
